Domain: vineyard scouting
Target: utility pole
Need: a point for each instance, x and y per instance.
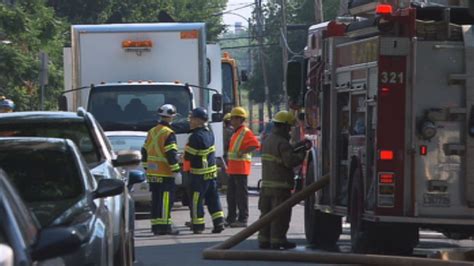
(259, 17)
(318, 11)
(284, 44)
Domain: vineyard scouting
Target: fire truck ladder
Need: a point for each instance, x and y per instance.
(468, 78)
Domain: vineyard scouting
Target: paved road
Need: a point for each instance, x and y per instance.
(186, 248)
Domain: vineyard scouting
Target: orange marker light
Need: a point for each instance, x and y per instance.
(137, 44)
(384, 9)
(386, 155)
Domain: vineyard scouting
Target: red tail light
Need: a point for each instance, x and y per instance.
(386, 178)
(386, 155)
(423, 150)
(384, 9)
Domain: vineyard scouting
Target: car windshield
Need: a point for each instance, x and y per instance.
(73, 130)
(134, 107)
(49, 185)
(134, 143)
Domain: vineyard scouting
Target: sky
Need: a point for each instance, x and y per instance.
(230, 19)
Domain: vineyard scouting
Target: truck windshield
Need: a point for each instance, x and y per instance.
(133, 107)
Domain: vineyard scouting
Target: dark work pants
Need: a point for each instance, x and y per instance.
(237, 197)
(162, 199)
(205, 190)
(275, 233)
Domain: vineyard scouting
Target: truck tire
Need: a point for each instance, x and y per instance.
(321, 229)
(360, 238)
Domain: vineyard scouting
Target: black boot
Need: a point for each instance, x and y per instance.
(218, 229)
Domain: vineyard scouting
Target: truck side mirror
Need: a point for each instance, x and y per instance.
(295, 80)
(62, 103)
(216, 102)
(217, 117)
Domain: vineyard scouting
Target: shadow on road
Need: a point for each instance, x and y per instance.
(191, 254)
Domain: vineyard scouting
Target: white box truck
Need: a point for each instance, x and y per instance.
(122, 73)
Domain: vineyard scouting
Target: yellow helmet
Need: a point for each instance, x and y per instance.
(238, 111)
(227, 117)
(284, 117)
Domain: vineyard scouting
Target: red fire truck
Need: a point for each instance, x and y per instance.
(388, 99)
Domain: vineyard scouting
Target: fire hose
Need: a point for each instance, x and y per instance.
(221, 251)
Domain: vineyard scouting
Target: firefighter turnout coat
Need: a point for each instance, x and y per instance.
(161, 162)
(278, 160)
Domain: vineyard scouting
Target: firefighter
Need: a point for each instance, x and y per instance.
(278, 160)
(200, 152)
(6, 105)
(242, 143)
(162, 167)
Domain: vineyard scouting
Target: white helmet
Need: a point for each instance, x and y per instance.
(167, 110)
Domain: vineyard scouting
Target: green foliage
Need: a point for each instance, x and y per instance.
(32, 26)
(144, 11)
(298, 12)
(29, 27)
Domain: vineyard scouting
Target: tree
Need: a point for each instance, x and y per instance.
(298, 12)
(29, 27)
(131, 11)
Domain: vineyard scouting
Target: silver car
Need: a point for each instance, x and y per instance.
(131, 140)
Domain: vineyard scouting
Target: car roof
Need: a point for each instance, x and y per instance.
(38, 117)
(126, 133)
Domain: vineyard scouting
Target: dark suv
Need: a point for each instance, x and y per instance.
(86, 133)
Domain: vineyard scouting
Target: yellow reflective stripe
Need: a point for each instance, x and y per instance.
(202, 171)
(239, 140)
(270, 158)
(196, 220)
(174, 167)
(191, 150)
(235, 157)
(170, 147)
(154, 179)
(203, 152)
(276, 184)
(166, 211)
(216, 215)
(210, 175)
(159, 221)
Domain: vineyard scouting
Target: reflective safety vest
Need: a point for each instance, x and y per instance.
(208, 171)
(238, 165)
(157, 164)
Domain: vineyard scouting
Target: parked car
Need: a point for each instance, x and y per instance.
(86, 133)
(132, 140)
(59, 189)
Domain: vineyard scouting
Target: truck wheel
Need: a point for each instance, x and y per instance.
(359, 230)
(321, 229)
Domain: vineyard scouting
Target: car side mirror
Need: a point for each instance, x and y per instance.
(217, 117)
(127, 158)
(62, 103)
(135, 177)
(216, 102)
(108, 187)
(55, 242)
